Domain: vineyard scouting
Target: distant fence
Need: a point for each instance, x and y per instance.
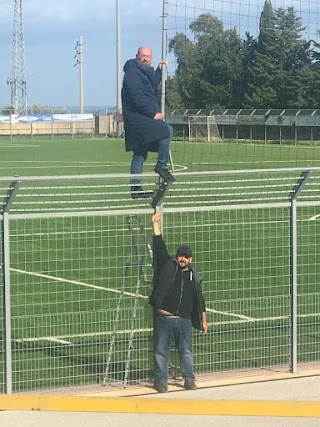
(53, 125)
(267, 125)
(77, 273)
(258, 124)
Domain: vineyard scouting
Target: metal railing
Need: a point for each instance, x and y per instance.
(74, 265)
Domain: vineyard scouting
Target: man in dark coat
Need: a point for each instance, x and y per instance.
(145, 128)
(179, 305)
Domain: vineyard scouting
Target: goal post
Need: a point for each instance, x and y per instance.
(203, 129)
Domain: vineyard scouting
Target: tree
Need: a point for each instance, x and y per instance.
(209, 69)
(173, 98)
(217, 69)
(282, 59)
(187, 69)
(266, 27)
(311, 78)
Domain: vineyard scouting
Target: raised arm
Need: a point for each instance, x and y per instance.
(160, 252)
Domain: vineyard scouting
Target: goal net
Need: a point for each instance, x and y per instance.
(203, 129)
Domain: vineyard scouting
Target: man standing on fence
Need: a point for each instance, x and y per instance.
(179, 305)
(145, 128)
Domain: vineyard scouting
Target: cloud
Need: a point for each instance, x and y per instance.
(67, 11)
(51, 31)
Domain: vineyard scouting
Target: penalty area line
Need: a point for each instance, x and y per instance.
(76, 282)
(313, 218)
(101, 288)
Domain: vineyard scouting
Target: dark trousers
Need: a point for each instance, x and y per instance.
(140, 156)
(166, 330)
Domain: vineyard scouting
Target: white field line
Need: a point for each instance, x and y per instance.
(101, 288)
(76, 282)
(61, 339)
(226, 313)
(313, 218)
(17, 146)
(262, 319)
(76, 164)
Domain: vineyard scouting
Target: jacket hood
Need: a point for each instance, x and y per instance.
(131, 63)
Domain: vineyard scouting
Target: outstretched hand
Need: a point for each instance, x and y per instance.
(156, 219)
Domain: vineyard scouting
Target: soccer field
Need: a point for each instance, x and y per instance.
(106, 155)
(80, 284)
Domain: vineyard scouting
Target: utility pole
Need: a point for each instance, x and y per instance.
(79, 60)
(18, 76)
(119, 80)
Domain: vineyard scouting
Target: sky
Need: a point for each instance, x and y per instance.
(51, 32)
(52, 29)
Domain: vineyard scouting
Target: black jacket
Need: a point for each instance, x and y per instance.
(140, 105)
(165, 270)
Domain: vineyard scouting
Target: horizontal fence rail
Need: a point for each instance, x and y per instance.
(111, 192)
(77, 274)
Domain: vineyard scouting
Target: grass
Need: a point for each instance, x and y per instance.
(25, 157)
(67, 273)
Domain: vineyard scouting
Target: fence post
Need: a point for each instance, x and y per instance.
(11, 136)
(293, 316)
(6, 284)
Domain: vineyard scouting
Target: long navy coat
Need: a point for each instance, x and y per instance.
(139, 106)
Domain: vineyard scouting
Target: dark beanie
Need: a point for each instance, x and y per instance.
(184, 250)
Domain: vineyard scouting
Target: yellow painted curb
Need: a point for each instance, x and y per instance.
(161, 406)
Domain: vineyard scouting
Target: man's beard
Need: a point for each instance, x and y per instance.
(145, 65)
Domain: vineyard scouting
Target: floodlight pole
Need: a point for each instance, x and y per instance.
(119, 82)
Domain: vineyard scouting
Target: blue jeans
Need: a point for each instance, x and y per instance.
(167, 329)
(140, 156)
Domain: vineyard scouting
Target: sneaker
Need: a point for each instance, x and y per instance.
(161, 388)
(164, 173)
(190, 386)
(138, 193)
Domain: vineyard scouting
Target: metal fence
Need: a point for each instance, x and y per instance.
(266, 125)
(77, 273)
(55, 125)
